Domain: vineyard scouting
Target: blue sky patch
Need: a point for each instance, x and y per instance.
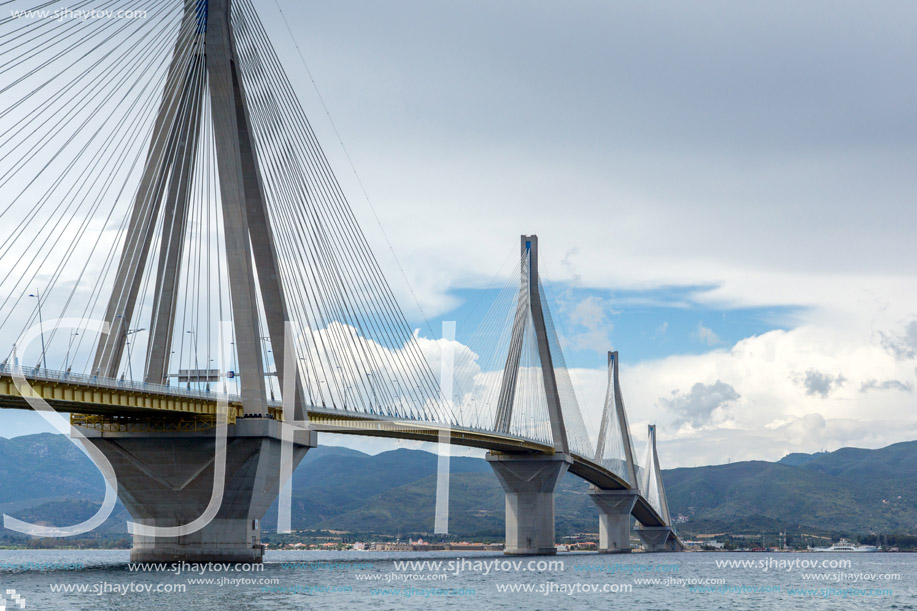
(640, 324)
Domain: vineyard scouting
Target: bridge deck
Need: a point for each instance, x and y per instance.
(118, 406)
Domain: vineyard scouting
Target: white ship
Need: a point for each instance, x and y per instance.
(845, 546)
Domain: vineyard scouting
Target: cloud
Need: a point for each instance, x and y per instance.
(902, 346)
(697, 406)
(806, 428)
(821, 384)
(886, 385)
(778, 392)
(774, 413)
(570, 266)
(687, 170)
(593, 327)
(661, 330)
(706, 335)
(807, 433)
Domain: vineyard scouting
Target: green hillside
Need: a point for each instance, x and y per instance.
(46, 478)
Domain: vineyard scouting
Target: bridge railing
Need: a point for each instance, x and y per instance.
(54, 375)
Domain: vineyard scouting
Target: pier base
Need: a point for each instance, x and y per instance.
(659, 539)
(529, 482)
(167, 479)
(614, 518)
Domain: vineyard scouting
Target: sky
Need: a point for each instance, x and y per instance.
(724, 192)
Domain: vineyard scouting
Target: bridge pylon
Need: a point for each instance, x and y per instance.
(530, 481)
(165, 479)
(615, 452)
(656, 538)
(205, 66)
(530, 315)
(614, 449)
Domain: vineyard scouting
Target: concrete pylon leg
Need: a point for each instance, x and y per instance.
(658, 539)
(529, 483)
(614, 518)
(166, 479)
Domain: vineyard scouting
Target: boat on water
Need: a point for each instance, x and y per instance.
(845, 546)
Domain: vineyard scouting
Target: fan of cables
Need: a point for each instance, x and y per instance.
(112, 212)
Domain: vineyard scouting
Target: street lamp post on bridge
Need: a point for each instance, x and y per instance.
(44, 361)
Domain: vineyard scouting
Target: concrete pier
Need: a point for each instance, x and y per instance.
(659, 539)
(167, 479)
(614, 518)
(529, 482)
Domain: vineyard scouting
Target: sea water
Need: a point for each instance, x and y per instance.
(351, 580)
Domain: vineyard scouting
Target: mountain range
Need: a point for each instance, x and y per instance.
(46, 478)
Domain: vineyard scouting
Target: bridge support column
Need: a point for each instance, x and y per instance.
(659, 539)
(614, 518)
(529, 482)
(167, 479)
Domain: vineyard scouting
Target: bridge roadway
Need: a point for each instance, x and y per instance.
(122, 406)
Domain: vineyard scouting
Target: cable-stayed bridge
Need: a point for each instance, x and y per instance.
(183, 275)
